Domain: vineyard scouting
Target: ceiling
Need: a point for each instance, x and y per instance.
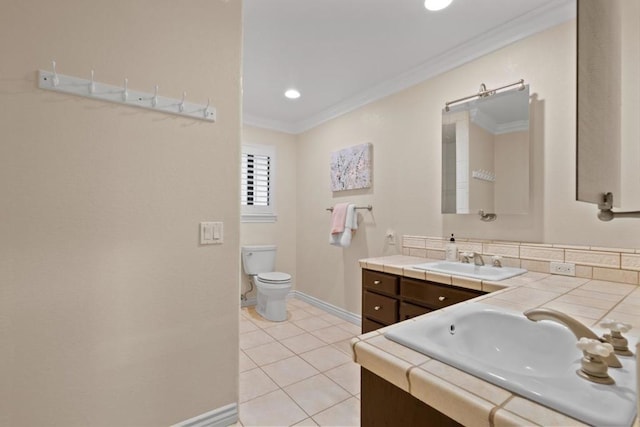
(342, 54)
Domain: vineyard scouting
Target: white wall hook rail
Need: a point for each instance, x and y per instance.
(51, 80)
(206, 110)
(92, 85)
(181, 104)
(154, 100)
(55, 81)
(125, 90)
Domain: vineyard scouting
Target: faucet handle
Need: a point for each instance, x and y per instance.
(615, 326)
(592, 365)
(465, 257)
(594, 347)
(496, 260)
(615, 338)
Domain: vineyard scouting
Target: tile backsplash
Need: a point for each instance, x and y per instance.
(592, 262)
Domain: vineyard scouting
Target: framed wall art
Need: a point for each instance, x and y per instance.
(351, 168)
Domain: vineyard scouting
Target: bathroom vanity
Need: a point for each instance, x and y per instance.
(388, 299)
(391, 298)
(401, 386)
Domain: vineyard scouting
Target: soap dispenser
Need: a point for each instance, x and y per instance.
(451, 251)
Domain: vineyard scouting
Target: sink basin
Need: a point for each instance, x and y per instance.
(537, 360)
(482, 272)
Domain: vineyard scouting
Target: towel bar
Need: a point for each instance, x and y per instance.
(368, 207)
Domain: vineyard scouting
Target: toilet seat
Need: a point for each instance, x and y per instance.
(274, 277)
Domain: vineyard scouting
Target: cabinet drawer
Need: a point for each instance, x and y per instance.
(380, 308)
(380, 282)
(434, 295)
(369, 325)
(407, 311)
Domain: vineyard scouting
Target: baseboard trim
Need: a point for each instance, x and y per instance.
(356, 319)
(330, 308)
(221, 417)
(248, 302)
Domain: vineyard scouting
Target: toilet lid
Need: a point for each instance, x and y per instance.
(274, 277)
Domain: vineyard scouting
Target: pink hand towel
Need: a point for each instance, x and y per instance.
(338, 218)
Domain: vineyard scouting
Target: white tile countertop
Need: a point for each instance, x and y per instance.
(468, 399)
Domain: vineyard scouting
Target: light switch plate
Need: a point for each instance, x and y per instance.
(211, 233)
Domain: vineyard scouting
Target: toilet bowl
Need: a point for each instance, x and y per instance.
(272, 286)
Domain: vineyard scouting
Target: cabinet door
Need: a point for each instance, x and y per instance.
(408, 311)
(385, 405)
(369, 325)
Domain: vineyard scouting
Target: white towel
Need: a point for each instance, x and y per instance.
(350, 225)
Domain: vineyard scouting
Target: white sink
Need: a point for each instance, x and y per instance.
(482, 272)
(537, 360)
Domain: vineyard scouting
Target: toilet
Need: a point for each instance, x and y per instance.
(272, 286)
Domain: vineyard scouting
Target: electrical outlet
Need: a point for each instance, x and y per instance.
(564, 268)
(391, 236)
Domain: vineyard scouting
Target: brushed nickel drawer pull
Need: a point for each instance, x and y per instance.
(377, 307)
(442, 298)
(376, 282)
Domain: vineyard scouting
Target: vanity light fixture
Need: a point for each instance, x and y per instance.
(292, 94)
(434, 5)
(484, 92)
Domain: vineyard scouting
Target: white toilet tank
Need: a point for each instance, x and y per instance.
(258, 259)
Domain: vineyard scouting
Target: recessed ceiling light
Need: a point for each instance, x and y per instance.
(434, 5)
(292, 94)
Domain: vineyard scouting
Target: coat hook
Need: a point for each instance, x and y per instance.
(206, 109)
(92, 84)
(125, 91)
(181, 104)
(55, 81)
(154, 100)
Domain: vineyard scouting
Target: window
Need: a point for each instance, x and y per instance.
(257, 183)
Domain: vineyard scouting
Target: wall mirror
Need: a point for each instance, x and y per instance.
(485, 154)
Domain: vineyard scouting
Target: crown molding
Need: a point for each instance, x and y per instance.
(277, 125)
(551, 14)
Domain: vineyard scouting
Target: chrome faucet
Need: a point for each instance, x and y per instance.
(578, 329)
(465, 257)
(477, 259)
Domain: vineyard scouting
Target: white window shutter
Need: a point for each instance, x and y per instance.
(257, 183)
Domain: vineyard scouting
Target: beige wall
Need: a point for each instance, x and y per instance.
(282, 232)
(405, 130)
(112, 314)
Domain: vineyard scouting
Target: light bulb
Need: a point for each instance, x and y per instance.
(434, 5)
(292, 94)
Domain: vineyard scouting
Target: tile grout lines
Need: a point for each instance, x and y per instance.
(297, 307)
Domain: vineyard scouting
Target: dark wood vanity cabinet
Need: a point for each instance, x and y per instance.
(379, 299)
(385, 405)
(388, 299)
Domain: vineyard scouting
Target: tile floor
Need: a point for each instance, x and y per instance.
(299, 372)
